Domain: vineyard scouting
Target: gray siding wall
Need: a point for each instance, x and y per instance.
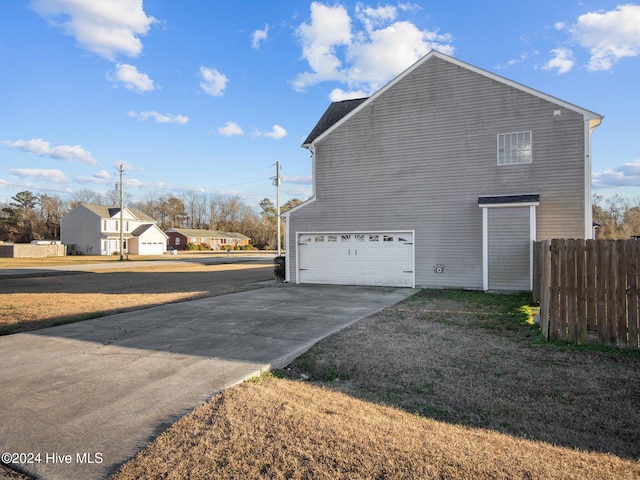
(418, 157)
(81, 228)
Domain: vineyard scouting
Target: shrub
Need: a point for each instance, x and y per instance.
(279, 268)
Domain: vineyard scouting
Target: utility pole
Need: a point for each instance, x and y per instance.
(121, 214)
(278, 205)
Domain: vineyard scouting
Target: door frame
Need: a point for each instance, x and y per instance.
(507, 201)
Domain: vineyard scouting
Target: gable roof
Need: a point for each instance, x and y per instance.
(335, 112)
(325, 126)
(194, 232)
(110, 212)
(144, 227)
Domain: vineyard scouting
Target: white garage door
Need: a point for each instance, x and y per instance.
(375, 258)
(152, 248)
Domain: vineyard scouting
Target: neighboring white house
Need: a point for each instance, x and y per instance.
(95, 230)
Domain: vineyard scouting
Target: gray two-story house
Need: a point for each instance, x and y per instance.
(443, 178)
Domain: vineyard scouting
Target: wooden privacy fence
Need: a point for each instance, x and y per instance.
(588, 290)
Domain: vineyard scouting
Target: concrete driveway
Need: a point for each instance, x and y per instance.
(79, 400)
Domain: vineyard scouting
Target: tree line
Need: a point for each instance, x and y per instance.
(616, 217)
(35, 216)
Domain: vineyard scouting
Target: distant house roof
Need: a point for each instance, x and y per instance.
(110, 212)
(143, 228)
(194, 232)
(335, 112)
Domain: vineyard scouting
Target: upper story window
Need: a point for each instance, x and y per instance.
(514, 148)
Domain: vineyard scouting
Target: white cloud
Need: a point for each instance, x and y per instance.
(337, 95)
(371, 17)
(52, 176)
(609, 36)
(230, 129)
(389, 51)
(107, 28)
(562, 61)
(131, 78)
(304, 180)
(101, 177)
(133, 182)
(102, 174)
(159, 118)
(627, 175)
(277, 132)
(126, 166)
(259, 36)
(213, 82)
(298, 192)
(514, 61)
(330, 28)
(367, 58)
(42, 148)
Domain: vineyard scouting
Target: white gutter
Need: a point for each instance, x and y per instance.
(590, 124)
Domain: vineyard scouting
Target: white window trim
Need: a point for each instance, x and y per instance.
(516, 162)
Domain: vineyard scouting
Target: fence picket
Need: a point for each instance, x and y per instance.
(632, 288)
(554, 291)
(581, 310)
(602, 286)
(590, 287)
(545, 288)
(621, 296)
(570, 291)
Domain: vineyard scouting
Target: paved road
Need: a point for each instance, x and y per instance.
(87, 396)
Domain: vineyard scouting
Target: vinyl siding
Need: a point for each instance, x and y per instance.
(418, 156)
(81, 228)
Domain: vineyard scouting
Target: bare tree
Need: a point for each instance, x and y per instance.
(195, 205)
(51, 209)
(88, 196)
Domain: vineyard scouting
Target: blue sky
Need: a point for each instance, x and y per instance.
(205, 96)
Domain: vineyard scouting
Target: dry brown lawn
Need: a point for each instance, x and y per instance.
(447, 384)
(32, 302)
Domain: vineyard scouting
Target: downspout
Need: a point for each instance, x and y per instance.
(589, 126)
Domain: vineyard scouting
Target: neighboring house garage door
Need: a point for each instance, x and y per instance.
(152, 248)
(373, 258)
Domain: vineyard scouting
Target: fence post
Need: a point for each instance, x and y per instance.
(601, 291)
(621, 295)
(545, 287)
(632, 292)
(581, 288)
(555, 306)
(569, 290)
(612, 304)
(591, 286)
